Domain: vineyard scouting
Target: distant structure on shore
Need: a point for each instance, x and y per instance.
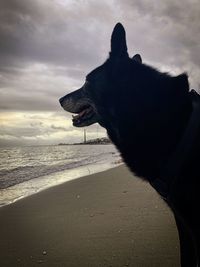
(97, 141)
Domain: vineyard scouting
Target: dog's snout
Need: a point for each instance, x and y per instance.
(61, 100)
(73, 102)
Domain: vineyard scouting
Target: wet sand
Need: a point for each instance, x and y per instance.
(105, 219)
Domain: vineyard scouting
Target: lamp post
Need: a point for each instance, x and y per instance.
(85, 136)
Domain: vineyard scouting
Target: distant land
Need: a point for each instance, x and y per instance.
(97, 141)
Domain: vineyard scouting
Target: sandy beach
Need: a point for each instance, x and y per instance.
(110, 219)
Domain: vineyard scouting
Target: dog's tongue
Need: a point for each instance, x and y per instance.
(80, 114)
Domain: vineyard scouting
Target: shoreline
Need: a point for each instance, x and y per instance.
(33, 186)
(109, 218)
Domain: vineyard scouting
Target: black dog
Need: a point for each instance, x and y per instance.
(154, 121)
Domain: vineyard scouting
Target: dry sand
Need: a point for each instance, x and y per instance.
(106, 219)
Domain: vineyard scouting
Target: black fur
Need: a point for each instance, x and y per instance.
(145, 113)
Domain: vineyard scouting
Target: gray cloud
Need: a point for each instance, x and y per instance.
(58, 128)
(56, 33)
(167, 33)
(48, 32)
(35, 32)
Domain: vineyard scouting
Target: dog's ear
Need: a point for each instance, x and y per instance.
(181, 82)
(137, 58)
(118, 41)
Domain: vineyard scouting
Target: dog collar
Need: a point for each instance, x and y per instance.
(172, 171)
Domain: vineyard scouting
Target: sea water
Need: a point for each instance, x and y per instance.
(28, 170)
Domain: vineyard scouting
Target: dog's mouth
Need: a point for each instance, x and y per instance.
(85, 117)
(84, 112)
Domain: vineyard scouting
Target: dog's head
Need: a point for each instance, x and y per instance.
(95, 100)
(123, 89)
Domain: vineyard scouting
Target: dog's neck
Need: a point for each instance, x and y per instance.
(147, 148)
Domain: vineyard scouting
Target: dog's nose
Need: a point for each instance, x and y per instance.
(61, 100)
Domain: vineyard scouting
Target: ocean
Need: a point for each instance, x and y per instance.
(28, 170)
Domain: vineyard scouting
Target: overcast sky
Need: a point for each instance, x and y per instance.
(47, 47)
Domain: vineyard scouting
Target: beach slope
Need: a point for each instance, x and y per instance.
(106, 219)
